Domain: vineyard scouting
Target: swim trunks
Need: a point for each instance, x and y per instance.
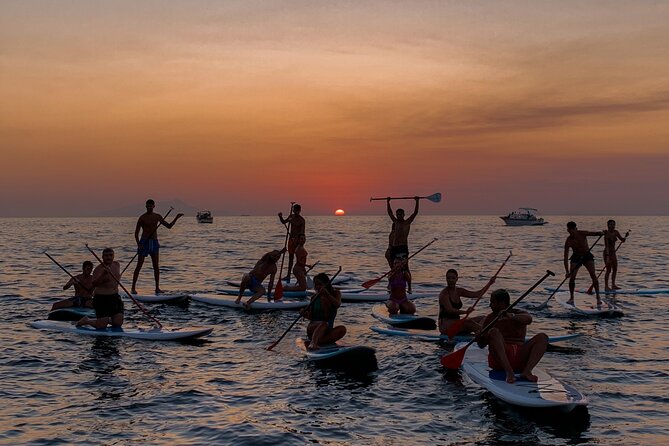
(148, 247)
(254, 283)
(79, 301)
(107, 305)
(399, 251)
(581, 259)
(513, 355)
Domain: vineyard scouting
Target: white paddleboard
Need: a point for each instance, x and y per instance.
(158, 298)
(235, 292)
(380, 312)
(588, 310)
(547, 392)
(620, 291)
(70, 313)
(350, 357)
(434, 335)
(260, 304)
(151, 334)
(374, 296)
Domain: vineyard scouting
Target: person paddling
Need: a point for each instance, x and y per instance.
(611, 234)
(300, 268)
(578, 242)
(507, 349)
(450, 304)
(297, 227)
(399, 283)
(399, 235)
(83, 289)
(106, 300)
(266, 266)
(322, 313)
(148, 244)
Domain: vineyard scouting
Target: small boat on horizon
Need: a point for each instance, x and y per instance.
(204, 217)
(523, 217)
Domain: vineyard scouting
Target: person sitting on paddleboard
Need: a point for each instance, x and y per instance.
(578, 242)
(266, 266)
(399, 281)
(450, 304)
(83, 289)
(322, 312)
(106, 300)
(300, 268)
(507, 349)
(297, 227)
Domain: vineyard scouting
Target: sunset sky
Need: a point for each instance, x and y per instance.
(244, 106)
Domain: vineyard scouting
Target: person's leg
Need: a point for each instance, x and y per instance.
(258, 293)
(574, 267)
(407, 307)
(155, 261)
(135, 275)
(291, 255)
(65, 303)
(392, 307)
(531, 353)
(242, 287)
(590, 266)
(497, 350)
(330, 336)
(607, 263)
(117, 320)
(614, 272)
(316, 334)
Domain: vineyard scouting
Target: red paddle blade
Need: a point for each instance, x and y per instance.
(278, 291)
(453, 361)
(455, 328)
(370, 283)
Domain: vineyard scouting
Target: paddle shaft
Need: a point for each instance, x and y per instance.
(579, 263)
(501, 313)
(118, 281)
(285, 242)
(68, 273)
(604, 268)
(400, 198)
(150, 235)
(313, 299)
(372, 282)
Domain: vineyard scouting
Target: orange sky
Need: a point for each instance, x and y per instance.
(244, 106)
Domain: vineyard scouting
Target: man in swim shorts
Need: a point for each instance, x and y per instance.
(266, 266)
(581, 256)
(106, 301)
(83, 289)
(399, 236)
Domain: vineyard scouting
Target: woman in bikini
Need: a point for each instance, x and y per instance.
(322, 313)
(450, 304)
(300, 268)
(398, 281)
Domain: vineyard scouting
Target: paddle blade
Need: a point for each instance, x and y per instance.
(455, 328)
(370, 283)
(278, 291)
(435, 198)
(453, 361)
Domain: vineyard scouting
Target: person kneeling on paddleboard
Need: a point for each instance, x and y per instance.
(398, 282)
(266, 266)
(322, 312)
(508, 350)
(106, 300)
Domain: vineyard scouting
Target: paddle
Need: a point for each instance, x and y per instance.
(372, 282)
(313, 298)
(604, 268)
(150, 235)
(579, 263)
(457, 325)
(68, 273)
(453, 360)
(116, 279)
(435, 198)
(278, 291)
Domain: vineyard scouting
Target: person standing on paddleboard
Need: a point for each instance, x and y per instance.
(106, 300)
(322, 313)
(83, 289)
(300, 268)
(507, 349)
(611, 234)
(266, 266)
(399, 283)
(148, 244)
(578, 242)
(297, 227)
(450, 304)
(399, 236)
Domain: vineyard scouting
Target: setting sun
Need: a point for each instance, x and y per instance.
(340, 212)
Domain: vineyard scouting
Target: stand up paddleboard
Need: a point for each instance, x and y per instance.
(260, 304)
(372, 296)
(621, 291)
(166, 298)
(70, 313)
(235, 292)
(591, 311)
(435, 336)
(546, 393)
(356, 358)
(337, 281)
(415, 321)
(151, 334)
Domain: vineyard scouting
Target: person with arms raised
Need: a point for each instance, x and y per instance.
(399, 243)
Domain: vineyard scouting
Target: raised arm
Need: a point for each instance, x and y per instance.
(169, 225)
(390, 210)
(283, 220)
(415, 210)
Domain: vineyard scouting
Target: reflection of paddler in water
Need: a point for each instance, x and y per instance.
(399, 282)
(106, 300)
(297, 227)
(83, 289)
(610, 257)
(300, 268)
(578, 242)
(507, 349)
(450, 304)
(322, 312)
(266, 266)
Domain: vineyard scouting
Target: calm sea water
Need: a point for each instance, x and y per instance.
(68, 389)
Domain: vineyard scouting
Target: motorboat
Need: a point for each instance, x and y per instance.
(204, 217)
(523, 217)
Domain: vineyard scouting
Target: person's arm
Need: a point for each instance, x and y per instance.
(169, 225)
(415, 211)
(594, 233)
(137, 228)
(566, 257)
(283, 220)
(407, 277)
(68, 284)
(390, 210)
(620, 237)
(519, 316)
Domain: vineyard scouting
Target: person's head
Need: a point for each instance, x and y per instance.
(150, 204)
(571, 227)
(321, 281)
(451, 276)
(87, 267)
(107, 255)
(611, 224)
(399, 213)
(499, 300)
(297, 209)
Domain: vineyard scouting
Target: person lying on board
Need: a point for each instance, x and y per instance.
(300, 268)
(450, 304)
(83, 289)
(106, 300)
(581, 256)
(507, 349)
(297, 227)
(611, 234)
(266, 266)
(399, 282)
(322, 313)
